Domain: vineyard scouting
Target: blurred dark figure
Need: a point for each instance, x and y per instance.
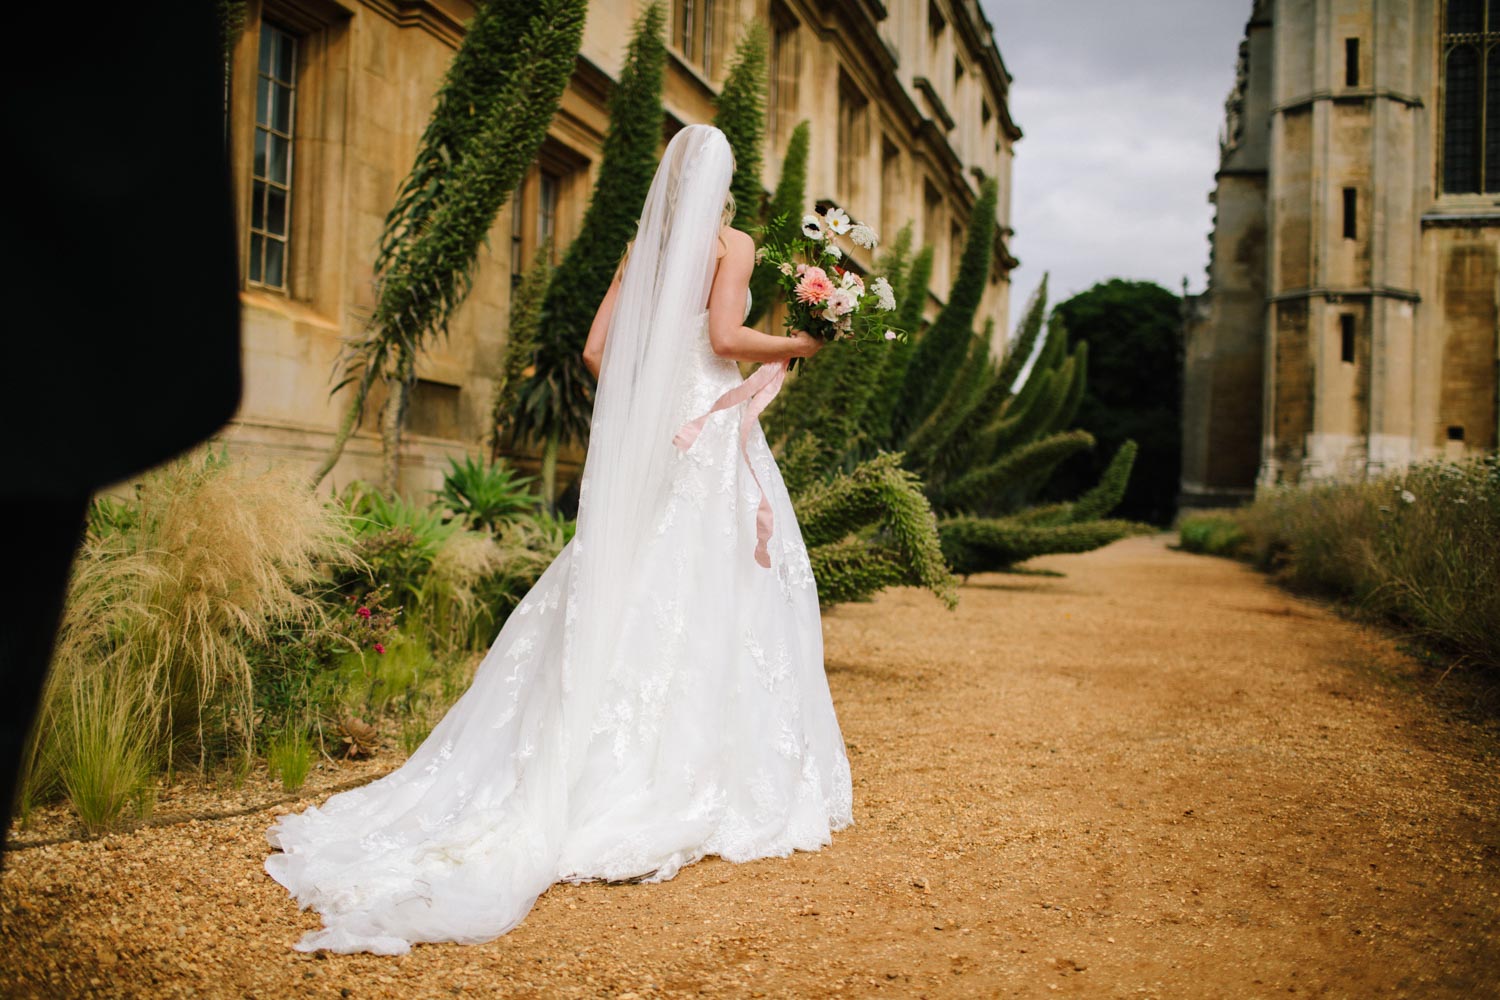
(122, 304)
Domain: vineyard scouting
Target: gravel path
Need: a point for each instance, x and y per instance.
(1154, 776)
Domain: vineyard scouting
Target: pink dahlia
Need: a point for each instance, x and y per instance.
(814, 286)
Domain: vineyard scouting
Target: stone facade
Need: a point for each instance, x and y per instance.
(1349, 326)
(908, 108)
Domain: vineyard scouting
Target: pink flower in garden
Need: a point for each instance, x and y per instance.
(363, 612)
(814, 286)
(379, 648)
(890, 335)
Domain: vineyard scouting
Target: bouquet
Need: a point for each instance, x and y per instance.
(824, 298)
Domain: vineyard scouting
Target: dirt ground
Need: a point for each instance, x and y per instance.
(1154, 776)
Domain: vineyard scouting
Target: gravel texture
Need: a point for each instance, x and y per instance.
(1154, 776)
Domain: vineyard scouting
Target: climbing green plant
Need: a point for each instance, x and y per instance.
(783, 217)
(491, 115)
(740, 113)
(556, 400)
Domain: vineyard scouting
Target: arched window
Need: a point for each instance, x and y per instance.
(1471, 96)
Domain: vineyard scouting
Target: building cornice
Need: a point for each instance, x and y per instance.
(1351, 95)
(934, 102)
(1475, 220)
(1336, 294)
(444, 21)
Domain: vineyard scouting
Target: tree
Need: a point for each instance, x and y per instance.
(491, 115)
(557, 399)
(1134, 331)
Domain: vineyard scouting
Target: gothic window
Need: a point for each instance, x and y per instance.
(693, 32)
(891, 188)
(853, 138)
(1346, 338)
(781, 103)
(271, 169)
(1471, 97)
(546, 211)
(1351, 62)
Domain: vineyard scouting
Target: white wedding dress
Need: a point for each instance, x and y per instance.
(707, 729)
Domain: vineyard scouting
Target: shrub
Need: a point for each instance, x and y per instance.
(1419, 549)
(1215, 534)
(485, 497)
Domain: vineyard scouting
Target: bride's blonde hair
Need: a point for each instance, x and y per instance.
(725, 218)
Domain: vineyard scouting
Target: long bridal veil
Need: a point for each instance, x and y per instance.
(592, 742)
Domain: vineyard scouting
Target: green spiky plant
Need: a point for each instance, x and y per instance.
(740, 113)
(786, 208)
(556, 400)
(491, 115)
(880, 418)
(980, 440)
(520, 345)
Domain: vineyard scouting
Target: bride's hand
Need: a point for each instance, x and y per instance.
(805, 345)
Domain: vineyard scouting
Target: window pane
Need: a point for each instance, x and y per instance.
(1492, 113)
(281, 153)
(259, 167)
(263, 102)
(267, 40)
(281, 113)
(285, 50)
(275, 253)
(258, 206)
(1461, 122)
(276, 211)
(255, 252)
(1464, 15)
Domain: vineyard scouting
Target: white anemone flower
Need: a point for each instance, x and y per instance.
(837, 220)
(812, 227)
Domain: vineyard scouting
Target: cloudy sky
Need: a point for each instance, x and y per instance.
(1121, 105)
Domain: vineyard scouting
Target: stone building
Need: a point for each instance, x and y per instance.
(327, 99)
(1349, 324)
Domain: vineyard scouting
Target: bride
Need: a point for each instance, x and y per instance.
(658, 695)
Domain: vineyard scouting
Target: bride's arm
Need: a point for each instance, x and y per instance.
(726, 311)
(593, 348)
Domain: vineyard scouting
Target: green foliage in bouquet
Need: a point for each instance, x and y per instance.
(740, 113)
(824, 296)
(491, 115)
(557, 398)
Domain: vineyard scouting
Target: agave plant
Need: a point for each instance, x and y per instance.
(486, 497)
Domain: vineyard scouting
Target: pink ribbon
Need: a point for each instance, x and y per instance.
(760, 388)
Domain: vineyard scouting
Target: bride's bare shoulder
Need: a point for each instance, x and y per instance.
(734, 239)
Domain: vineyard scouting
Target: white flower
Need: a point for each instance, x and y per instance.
(837, 220)
(785, 267)
(835, 251)
(883, 294)
(854, 283)
(864, 236)
(812, 227)
(840, 303)
(760, 254)
(890, 335)
(1407, 496)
